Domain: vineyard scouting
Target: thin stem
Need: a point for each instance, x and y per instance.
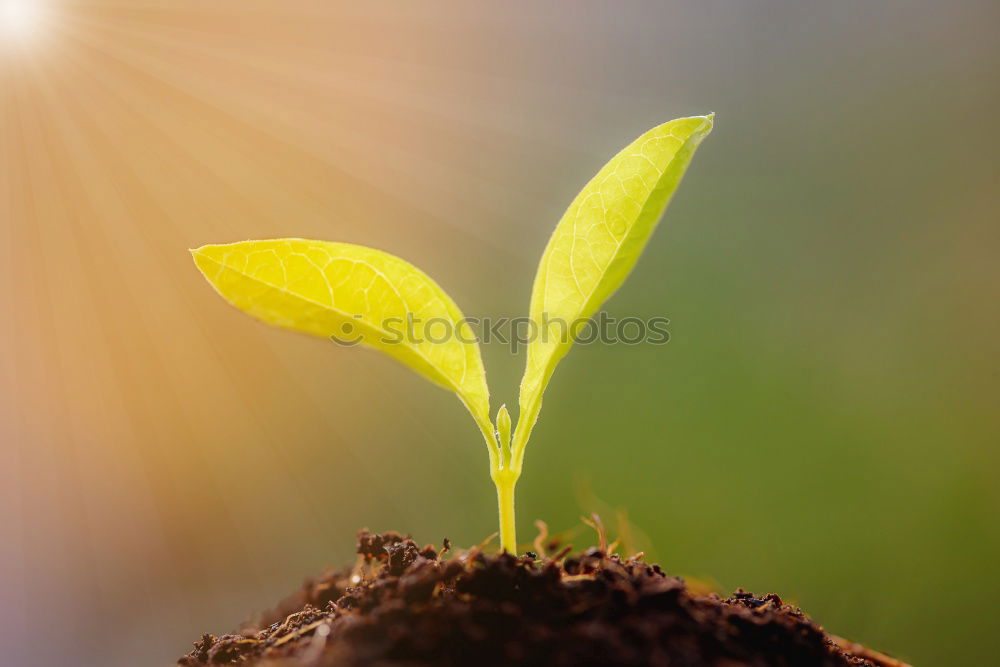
(505, 482)
(504, 471)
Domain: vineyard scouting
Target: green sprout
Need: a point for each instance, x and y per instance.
(362, 296)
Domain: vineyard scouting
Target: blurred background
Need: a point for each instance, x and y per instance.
(823, 423)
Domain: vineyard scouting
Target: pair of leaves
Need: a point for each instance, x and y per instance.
(360, 294)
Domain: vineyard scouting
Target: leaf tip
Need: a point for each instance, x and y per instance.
(195, 252)
(201, 258)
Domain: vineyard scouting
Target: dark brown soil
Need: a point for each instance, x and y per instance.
(420, 607)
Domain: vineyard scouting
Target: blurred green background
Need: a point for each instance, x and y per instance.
(823, 423)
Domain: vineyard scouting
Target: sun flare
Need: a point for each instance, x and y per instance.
(20, 19)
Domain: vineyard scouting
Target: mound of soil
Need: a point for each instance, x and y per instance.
(402, 605)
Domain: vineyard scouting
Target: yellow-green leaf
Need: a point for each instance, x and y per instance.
(595, 246)
(356, 295)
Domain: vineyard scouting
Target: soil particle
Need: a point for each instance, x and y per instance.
(402, 605)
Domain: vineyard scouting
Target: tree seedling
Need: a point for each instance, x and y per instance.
(340, 290)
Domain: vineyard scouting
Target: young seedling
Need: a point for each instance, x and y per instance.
(344, 291)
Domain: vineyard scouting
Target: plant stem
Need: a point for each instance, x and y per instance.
(505, 481)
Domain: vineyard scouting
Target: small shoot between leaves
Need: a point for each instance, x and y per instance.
(503, 435)
(350, 293)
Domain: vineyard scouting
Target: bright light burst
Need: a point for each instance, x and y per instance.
(20, 19)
